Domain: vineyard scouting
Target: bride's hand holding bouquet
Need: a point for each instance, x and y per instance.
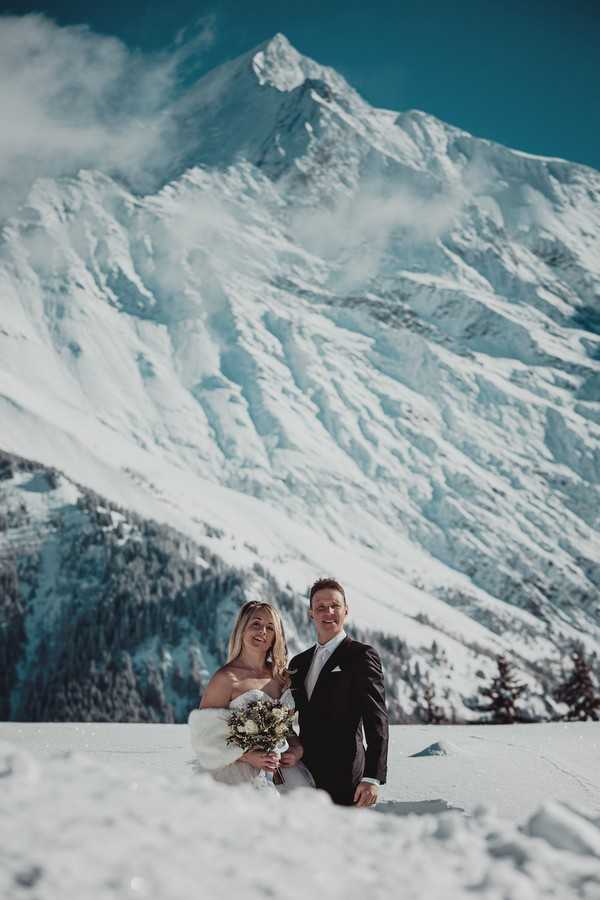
(261, 729)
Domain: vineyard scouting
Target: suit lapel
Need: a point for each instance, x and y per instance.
(334, 660)
(303, 662)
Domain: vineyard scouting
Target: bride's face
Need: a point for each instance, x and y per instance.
(259, 633)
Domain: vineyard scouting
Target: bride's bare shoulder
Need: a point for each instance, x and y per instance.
(219, 689)
(226, 672)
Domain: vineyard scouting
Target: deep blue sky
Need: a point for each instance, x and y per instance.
(522, 72)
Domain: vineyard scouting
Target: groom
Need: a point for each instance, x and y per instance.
(338, 689)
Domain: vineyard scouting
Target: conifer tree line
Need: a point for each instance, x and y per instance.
(133, 617)
(577, 691)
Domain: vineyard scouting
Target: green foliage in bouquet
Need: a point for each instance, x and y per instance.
(260, 725)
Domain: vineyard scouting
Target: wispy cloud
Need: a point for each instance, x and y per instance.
(70, 98)
(200, 34)
(354, 234)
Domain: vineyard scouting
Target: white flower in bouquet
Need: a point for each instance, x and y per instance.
(261, 725)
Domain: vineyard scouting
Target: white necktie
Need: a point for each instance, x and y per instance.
(321, 654)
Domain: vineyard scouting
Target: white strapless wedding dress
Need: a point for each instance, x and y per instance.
(208, 731)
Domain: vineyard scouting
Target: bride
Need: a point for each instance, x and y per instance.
(256, 668)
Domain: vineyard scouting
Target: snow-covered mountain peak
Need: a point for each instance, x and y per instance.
(276, 63)
(359, 341)
(279, 99)
(279, 64)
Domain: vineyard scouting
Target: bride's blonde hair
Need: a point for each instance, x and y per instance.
(278, 654)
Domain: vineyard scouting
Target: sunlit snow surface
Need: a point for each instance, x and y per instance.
(106, 811)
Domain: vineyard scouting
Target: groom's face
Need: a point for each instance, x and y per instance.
(328, 611)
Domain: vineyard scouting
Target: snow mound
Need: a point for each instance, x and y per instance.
(439, 748)
(97, 832)
(416, 807)
(565, 829)
(17, 765)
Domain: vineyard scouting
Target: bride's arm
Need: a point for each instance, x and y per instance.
(208, 727)
(217, 695)
(218, 692)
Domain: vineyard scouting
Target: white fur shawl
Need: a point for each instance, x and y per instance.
(208, 734)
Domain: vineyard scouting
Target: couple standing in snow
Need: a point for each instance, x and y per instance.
(336, 686)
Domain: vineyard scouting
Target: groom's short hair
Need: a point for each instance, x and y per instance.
(326, 583)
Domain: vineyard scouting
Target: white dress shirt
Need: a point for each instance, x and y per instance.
(320, 657)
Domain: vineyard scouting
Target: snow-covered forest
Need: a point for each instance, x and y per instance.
(140, 615)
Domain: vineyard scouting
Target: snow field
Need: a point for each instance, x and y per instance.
(117, 811)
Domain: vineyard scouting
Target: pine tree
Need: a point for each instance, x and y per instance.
(502, 695)
(431, 713)
(579, 691)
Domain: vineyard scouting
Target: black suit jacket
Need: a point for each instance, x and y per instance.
(331, 723)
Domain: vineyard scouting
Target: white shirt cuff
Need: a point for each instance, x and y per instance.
(371, 781)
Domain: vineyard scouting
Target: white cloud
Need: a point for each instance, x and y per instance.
(70, 98)
(357, 230)
(200, 34)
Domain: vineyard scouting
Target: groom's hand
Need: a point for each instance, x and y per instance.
(292, 756)
(366, 794)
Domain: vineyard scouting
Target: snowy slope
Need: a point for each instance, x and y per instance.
(358, 342)
(109, 617)
(108, 811)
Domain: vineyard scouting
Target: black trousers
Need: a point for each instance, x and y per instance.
(342, 795)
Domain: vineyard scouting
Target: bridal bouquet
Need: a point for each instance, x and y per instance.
(261, 725)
